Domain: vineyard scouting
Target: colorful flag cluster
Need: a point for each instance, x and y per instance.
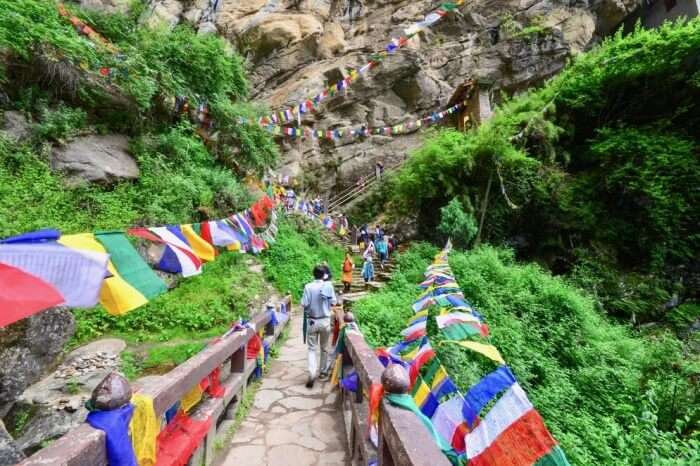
(363, 131)
(291, 114)
(511, 432)
(43, 269)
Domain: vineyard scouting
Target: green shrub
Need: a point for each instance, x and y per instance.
(457, 224)
(300, 245)
(201, 306)
(602, 158)
(60, 124)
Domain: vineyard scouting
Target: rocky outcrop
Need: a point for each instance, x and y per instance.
(10, 453)
(109, 6)
(94, 158)
(28, 349)
(15, 125)
(296, 48)
(56, 403)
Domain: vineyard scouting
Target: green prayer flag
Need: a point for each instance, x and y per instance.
(130, 265)
(449, 6)
(460, 331)
(197, 227)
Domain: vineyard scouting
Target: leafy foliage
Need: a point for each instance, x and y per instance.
(300, 246)
(600, 162)
(179, 182)
(608, 394)
(457, 224)
(148, 70)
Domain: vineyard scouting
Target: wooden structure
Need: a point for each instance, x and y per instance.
(403, 440)
(85, 446)
(478, 104)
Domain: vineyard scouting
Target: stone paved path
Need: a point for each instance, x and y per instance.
(290, 424)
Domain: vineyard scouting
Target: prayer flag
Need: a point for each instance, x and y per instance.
(201, 247)
(447, 417)
(486, 390)
(512, 433)
(23, 295)
(116, 294)
(39, 236)
(77, 275)
(424, 398)
(115, 425)
(130, 265)
(489, 351)
(178, 256)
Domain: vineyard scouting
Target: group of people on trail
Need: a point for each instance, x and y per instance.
(374, 243)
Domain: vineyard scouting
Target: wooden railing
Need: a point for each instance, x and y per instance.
(85, 446)
(403, 440)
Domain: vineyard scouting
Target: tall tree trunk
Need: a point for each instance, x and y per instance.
(484, 206)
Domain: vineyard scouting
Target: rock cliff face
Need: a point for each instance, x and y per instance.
(295, 48)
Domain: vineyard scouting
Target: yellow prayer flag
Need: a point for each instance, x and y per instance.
(191, 398)
(144, 429)
(116, 294)
(489, 351)
(201, 248)
(421, 393)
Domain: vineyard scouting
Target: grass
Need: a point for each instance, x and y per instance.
(200, 307)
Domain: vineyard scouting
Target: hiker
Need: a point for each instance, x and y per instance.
(291, 199)
(392, 244)
(369, 252)
(363, 237)
(379, 170)
(382, 251)
(317, 300)
(348, 266)
(368, 271)
(378, 232)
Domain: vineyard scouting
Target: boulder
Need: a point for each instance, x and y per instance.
(28, 349)
(94, 158)
(163, 12)
(10, 453)
(15, 125)
(109, 6)
(48, 424)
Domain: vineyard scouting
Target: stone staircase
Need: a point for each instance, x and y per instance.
(358, 289)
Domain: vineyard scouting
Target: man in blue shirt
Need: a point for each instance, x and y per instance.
(317, 300)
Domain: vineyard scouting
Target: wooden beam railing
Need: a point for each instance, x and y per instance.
(403, 440)
(85, 446)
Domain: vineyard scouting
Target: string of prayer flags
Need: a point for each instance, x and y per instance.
(76, 275)
(363, 131)
(512, 432)
(23, 294)
(117, 295)
(130, 265)
(290, 114)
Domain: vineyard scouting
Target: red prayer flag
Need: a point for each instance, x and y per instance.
(23, 295)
